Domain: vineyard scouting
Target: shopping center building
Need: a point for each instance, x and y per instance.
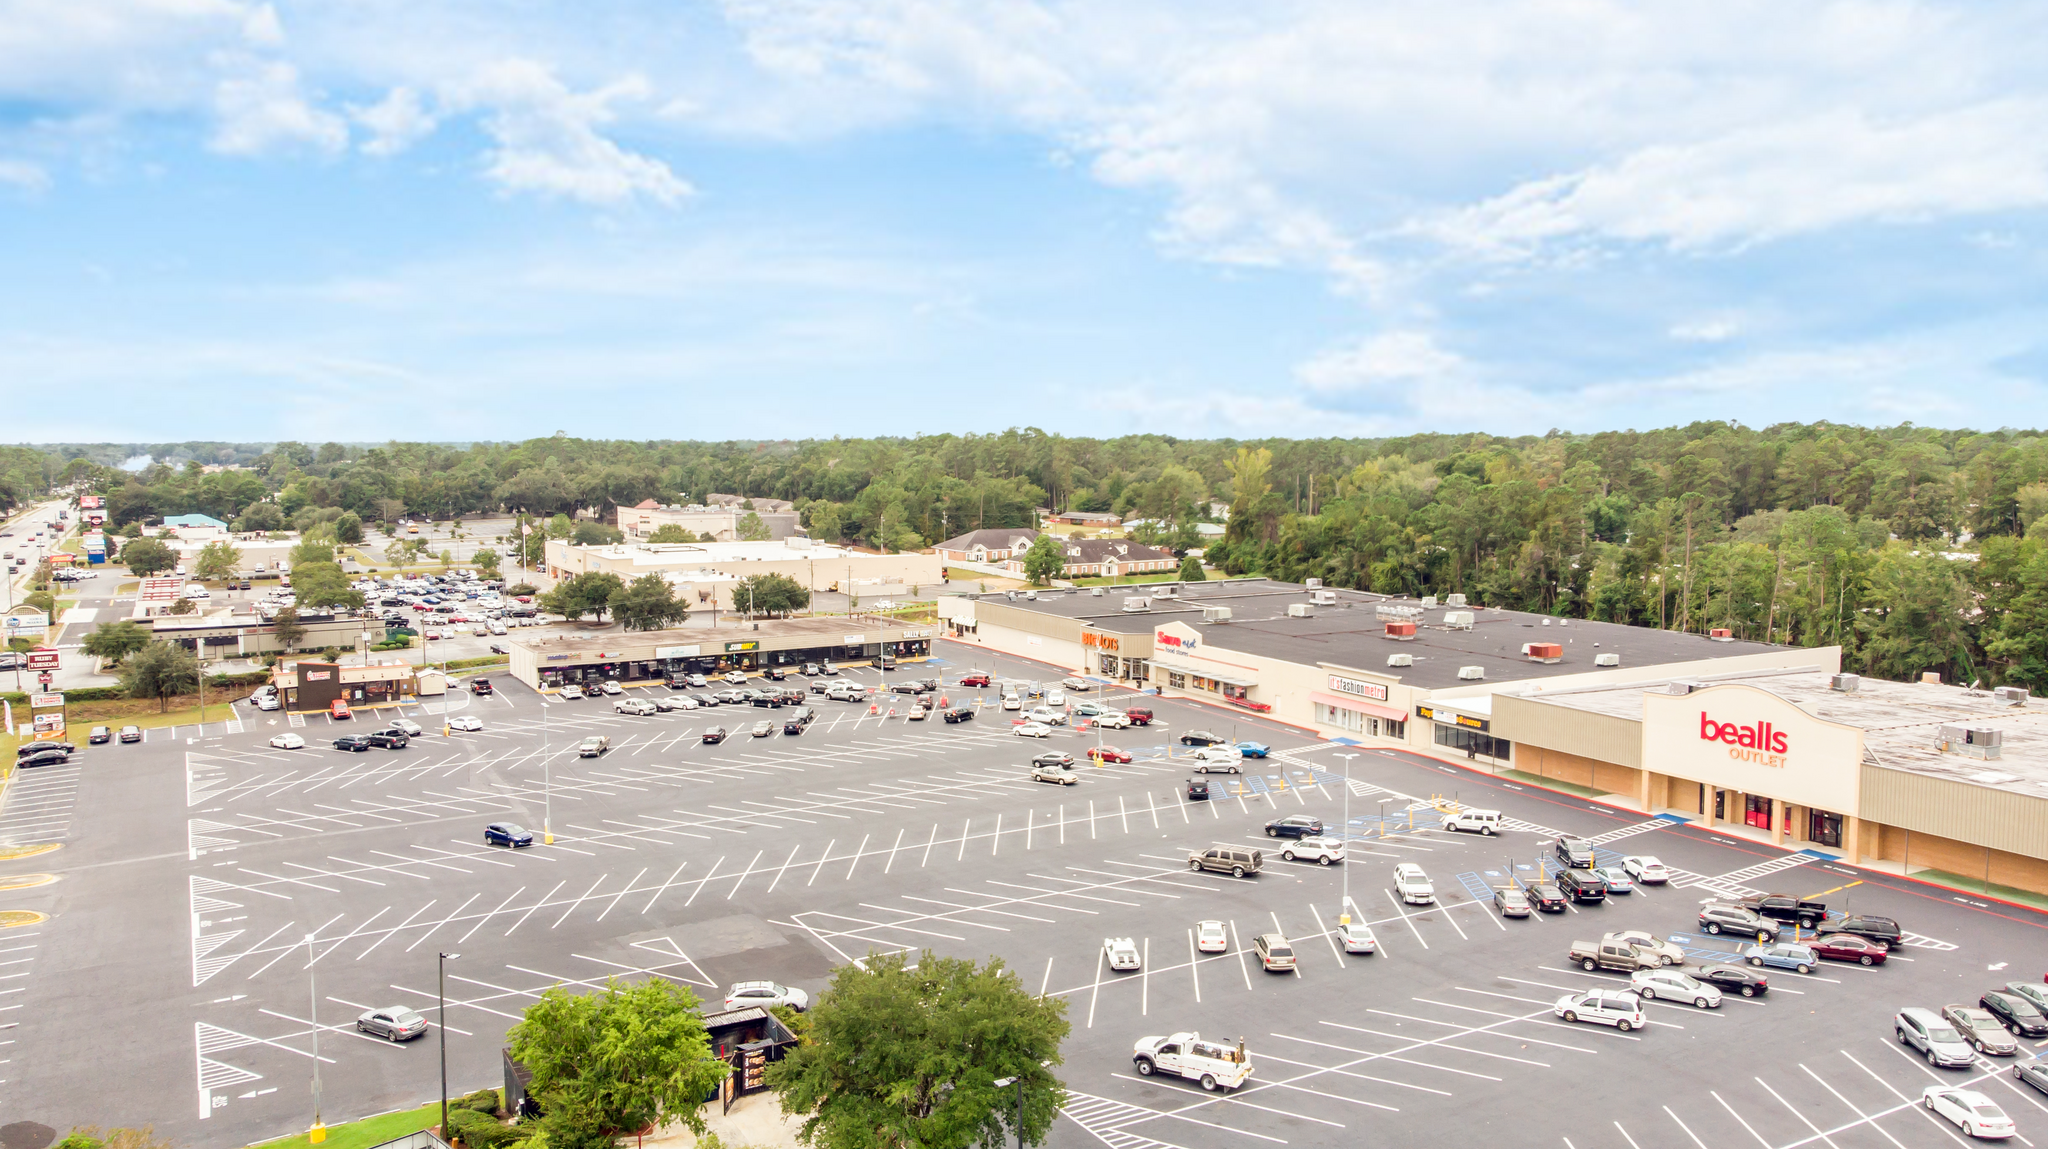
(1763, 740)
(663, 656)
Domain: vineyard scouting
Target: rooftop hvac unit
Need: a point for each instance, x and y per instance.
(1972, 741)
(1166, 590)
(1721, 634)
(1546, 622)
(1543, 651)
(1458, 619)
(1606, 660)
(1846, 683)
(1215, 614)
(1564, 622)
(1394, 610)
(1400, 660)
(1930, 677)
(1323, 597)
(1683, 687)
(1428, 601)
(1401, 631)
(1300, 610)
(1095, 591)
(1471, 673)
(2011, 695)
(1314, 583)
(1454, 600)
(1137, 603)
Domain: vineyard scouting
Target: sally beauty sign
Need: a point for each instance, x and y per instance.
(1742, 738)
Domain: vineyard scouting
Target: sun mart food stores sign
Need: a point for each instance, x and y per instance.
(1742, 738)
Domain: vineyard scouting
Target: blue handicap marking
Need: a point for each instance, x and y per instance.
(1493, 873)
(1476, 886)
(1681, 939)
(1520, 866)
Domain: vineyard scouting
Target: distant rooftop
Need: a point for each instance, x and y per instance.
(1352, 633)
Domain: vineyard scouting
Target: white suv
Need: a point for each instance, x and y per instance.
(1413, 885)
(1485, 822)
(1315, 849)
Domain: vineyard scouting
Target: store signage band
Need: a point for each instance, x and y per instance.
(1101, 641)
(42, 701)
(730, 647)
(1452, 717)
(1759, 742)
(675, 651)
(1164, 639)
(1359, 688)
(853, 639)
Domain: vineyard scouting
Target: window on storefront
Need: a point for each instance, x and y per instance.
(1107, 664)
(1387, 728)
(1341, 718)
(1176, 679)
(1757, 811)
(1138, 669)
(1823, 828)
(1472, 741)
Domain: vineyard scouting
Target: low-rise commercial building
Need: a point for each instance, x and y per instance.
(308, 685)
(704, 573)
(720, 521)
(665, 656)
(242, 633)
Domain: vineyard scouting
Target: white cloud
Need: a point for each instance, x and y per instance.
(264, 109)
(262, 29)
(395, 123)
(1391, 362)
(24, 176)
(1704, 331)
(548, 140)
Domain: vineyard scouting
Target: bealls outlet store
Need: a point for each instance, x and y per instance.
(1932, 777)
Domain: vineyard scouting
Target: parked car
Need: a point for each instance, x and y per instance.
(971, 678)
(1971, 1111)
(389, 739)
(1872, 926)
(1573, 851)
(1237, 861)
(1849, 947)
(1274, 951)
(1937, 1040)
(1781, 955)
(1055, 773)
(1617, 879)
(1666, 952)
(1186, 1055)
(45, 757)
(1032, 730)
(1356, 937)
(734, 677)
(507, 834)
(1198, 789)
(1717, 918)
(714, 734)
(637, 706)
(1582, 885)
(1316, 849)
(1674, 985)
(1139, 715)
(100, 734)
(468, 723)
(595, 746)
(1734, 979)
(482, 686)
(1053, 758)
(958, 714)
(288, 741)
(392, 1023)
(762, 729)
(1199, 738)
(338, 709)
(1122, 953)
(1510, 901)
(1486, 822)
(571, 692)
(1210, 937)
(2016, 1013)
(2035, 994)
(1623, 1011)
(765, 994)
(1411, 885)
(1981, 1029)
(357, 743)
(2034, 1073)
(1109, 754)
(1294, 826)
(1254, 749)
(1786, 908)
(612, 687)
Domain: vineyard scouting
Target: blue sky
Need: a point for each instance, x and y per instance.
(369, 219)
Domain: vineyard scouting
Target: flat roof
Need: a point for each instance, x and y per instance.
(710, 554)
(1901, 721)
(1352, 632)
(614, 640)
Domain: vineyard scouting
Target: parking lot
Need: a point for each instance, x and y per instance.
(215, 894)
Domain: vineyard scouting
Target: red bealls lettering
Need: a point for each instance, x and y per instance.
(1757, 736)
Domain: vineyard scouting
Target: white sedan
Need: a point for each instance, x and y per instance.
(735, 678)
(1972, 1112)
(1211, 938)
(1122, 953)
(1034, 730)
(1645, 868)
(288, 742)
(469, 722)
(1674, 985)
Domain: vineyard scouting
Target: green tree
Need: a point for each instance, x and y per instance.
(519, 588)
(217, 560)
(160, 670)
(319, 585)
(311, 551)
(399, 552)
(1046, 558)
(146, 557)
(648, 603)
(770, 594)
(486, 560)
(348, 528)
(42, 600)
(901, 1056)
(609, 1062)
(671, 533)
(1191, 570)
(289, 630)
(114, 641)
(587, 593)
(590, 534)
(260, 515)
(751, 529)
(182, 606)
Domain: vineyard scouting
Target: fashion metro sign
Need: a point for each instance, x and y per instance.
(1758, 742)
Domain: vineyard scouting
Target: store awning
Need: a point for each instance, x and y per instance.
(1345, 702)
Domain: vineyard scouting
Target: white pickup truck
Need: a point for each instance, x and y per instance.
(1186, 1055)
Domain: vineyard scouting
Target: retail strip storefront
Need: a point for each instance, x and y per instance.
(667, 656)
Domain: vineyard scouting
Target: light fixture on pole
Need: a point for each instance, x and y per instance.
(547, 765)
(444, 1042)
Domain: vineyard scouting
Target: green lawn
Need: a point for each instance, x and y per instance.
(1975, 885)
(1551, 783)
(367, 1132)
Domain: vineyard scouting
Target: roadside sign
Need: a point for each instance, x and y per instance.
(43, 679)
(43, 659)
(42, 701)
(50, 723)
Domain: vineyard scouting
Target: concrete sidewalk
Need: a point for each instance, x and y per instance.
(756, 1122)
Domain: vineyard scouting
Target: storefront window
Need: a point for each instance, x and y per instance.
(1472, 742)
(1757, 811)
(1341, 718)
(1824, 828)
(1176, 680)
(1237, 692)
(1107, 664)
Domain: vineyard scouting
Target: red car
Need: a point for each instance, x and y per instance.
(339, 709)
(1139, 715)
(1849, 947)
(976, 678)
(1109, 754)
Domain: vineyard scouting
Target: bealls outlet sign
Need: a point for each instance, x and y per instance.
(1758, 742)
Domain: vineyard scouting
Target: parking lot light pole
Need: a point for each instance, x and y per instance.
(318, 1132)
(547, 766)
(444, 1042)
(1383, 816)
(1344, 911)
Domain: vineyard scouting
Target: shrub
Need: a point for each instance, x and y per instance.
(481, 1131)
(483, 1101)
(80, 1139)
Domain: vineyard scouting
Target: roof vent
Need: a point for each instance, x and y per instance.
(1428, 601)
(1458, 619)
(1471, 673)
(1166, 590)
(2011, 695)
(1543, 651)
(1972, 741)
(1846, 683)
(1300, 610)
(1930, 678)
(1400, 660)
(1683, 687)
(1096, 591)
(1609, 659)
(1564, 622)
(1401, 631)
(1137, 603)
(1323, 597)
(1721, 634)
(1314, 583)
(1546, 622)
(1454, 600)
(1215, 614)
(1396, 611)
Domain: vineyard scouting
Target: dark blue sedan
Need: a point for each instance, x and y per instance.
(1254, 749)
(507, 834)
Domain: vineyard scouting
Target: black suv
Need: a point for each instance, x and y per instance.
(388, 739)
(1200, 738)
(355, 742)
(797, 719)
(1720, 919)
(769, 698)
(1574, 851)
(1544, 896)
(1872, 927)
(959, 714)
(1582, 885)
(1294, 826)
(2015, 1013)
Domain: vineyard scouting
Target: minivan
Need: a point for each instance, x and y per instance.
(1273, 952)
(1924, 1030)
(1474, 822)
(1237, 861)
